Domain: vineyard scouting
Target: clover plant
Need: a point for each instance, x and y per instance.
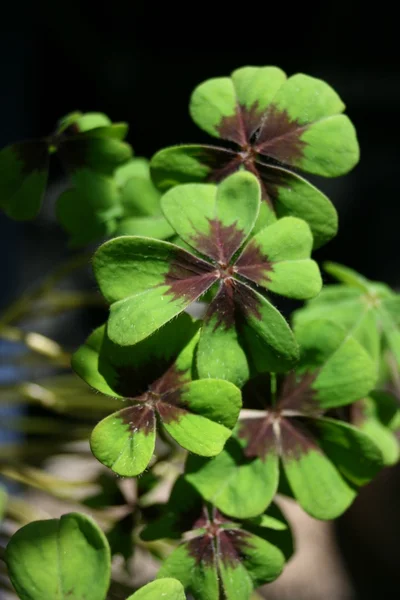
(198, 391)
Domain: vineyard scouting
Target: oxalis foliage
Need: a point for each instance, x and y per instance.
(241, 405)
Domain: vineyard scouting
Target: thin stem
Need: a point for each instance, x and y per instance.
(273, 389)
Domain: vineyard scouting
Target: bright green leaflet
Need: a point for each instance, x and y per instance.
(64, 546)
(225, 480)
(165, 588)
(366, 308)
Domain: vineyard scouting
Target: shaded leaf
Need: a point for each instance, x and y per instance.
(90, 209)
(23, 178)
(374, 416)
(128, 371)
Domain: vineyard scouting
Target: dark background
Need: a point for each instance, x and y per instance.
(138, 62)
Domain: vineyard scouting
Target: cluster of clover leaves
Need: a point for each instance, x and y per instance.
(262, 408)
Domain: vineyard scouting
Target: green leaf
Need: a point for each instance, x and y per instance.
(352, 451)
(166, 588)
(99, 149)
(155, 227)
(74, 552)
(124, 441)
(374, 416)
(271, 328)
(203, 415)
(240, 487)
(347, 276)
(284, 192)
(316, 483)
(149, 282)
(327, 139)
(136, 168)
(389, 317)
(219, 353)
(139, 196)
(214, 220)
(23, 177)
(117, 371)
(90, 209)
(344, 370)
(256, 87)
(367, 309)
(232, 564)
(211, 102)
(298, 120)
(296, 197)
(84, 122)
(277, 258)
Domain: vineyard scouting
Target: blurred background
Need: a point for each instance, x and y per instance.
(138, 62)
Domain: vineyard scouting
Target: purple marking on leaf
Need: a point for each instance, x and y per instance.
(139, 417)
(33, 155)
(254, 265)
(222, 307)
(228, 544)
(247, 301)
(240, 126)
(202, 549)
(225, 168)
(279, 136)
(189, 277)
(272, 178)
(221, 242)
(296, 439)
(232, 546)
(170, 408)
(296, 393)
(260, 437)
(170, 380)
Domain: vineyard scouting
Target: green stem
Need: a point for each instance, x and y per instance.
(273, 389)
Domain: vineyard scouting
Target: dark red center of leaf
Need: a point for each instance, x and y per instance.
(267, 141)
(286, 427)
(221, 242)
(220, 541)
(163, 396)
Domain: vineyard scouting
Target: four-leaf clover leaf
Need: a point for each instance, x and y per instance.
(276, 124)
(148, 282)
(84, 142)
(154, 380)
(99, 205)
(370, 310)
(323, 459)
(220, 557)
